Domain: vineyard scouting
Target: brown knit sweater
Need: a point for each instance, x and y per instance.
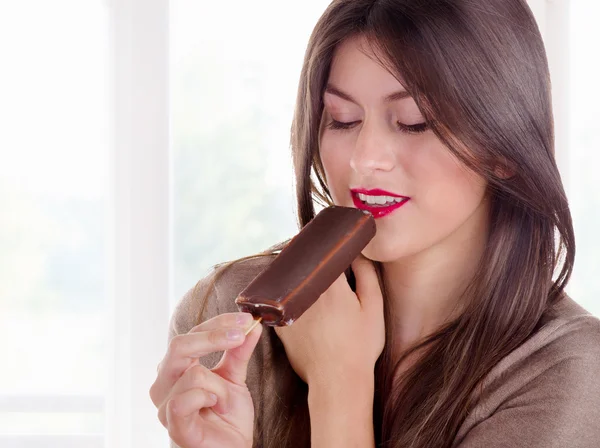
(545, 394)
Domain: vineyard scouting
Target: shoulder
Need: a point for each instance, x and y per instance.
(215, 293)
(544, 393)
(570, 338)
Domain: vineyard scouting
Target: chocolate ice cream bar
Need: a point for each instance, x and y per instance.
(308, 265)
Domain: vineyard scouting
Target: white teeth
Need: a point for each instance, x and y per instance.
(378, 200)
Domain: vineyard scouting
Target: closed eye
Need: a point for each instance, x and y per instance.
(418, 128)
(335, 125)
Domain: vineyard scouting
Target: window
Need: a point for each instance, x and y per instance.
(583, 183)
(234, 80)
(53, 181)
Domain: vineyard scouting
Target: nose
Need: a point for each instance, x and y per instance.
(373, 150)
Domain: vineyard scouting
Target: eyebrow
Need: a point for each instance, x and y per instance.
(396, 96)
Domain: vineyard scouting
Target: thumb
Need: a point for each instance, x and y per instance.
(234, 363)
(368, 288)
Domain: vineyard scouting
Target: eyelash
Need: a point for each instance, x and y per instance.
(409, 129)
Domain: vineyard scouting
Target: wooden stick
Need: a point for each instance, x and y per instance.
(253, 326)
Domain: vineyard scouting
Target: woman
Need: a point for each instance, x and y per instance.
(459, 332)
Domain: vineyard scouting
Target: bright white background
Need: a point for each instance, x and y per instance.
(142, 141)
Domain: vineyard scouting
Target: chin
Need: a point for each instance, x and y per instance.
(383, 253)
(386, 250)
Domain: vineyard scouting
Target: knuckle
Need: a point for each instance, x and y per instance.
(172, 377)
(215, 336)
(198, 376)
(175, 344)
(171, 405)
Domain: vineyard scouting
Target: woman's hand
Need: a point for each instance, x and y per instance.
(208, 408)
(342, 334)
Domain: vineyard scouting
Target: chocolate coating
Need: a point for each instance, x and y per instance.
(308, 265)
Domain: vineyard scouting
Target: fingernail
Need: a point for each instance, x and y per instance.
(243, 318)
(234, 335)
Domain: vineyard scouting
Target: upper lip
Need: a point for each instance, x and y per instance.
(377, 192)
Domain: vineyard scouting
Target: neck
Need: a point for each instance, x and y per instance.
(425, 289)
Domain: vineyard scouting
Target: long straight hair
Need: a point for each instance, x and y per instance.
(479, 74)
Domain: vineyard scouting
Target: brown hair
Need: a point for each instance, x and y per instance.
(478, 72)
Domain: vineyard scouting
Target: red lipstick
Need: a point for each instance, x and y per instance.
(378, 211)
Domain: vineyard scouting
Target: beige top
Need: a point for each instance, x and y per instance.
(544, 394)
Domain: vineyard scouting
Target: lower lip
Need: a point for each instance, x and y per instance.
(377, 212)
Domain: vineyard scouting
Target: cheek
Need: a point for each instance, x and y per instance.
(447, 198)
(452, 192)
(447, 195)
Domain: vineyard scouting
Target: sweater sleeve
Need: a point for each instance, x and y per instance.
(557, 407)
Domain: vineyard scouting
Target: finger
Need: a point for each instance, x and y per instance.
(199, 376)
(241, 320)
(184, 350)
(233, 366)
(182, 414)
(191, 401)
(163, 409)
(202, 343)
(368, 288)
(340, 285)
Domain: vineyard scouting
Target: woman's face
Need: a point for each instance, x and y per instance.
(384, 149)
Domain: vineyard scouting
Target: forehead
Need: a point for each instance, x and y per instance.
(357, 69)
